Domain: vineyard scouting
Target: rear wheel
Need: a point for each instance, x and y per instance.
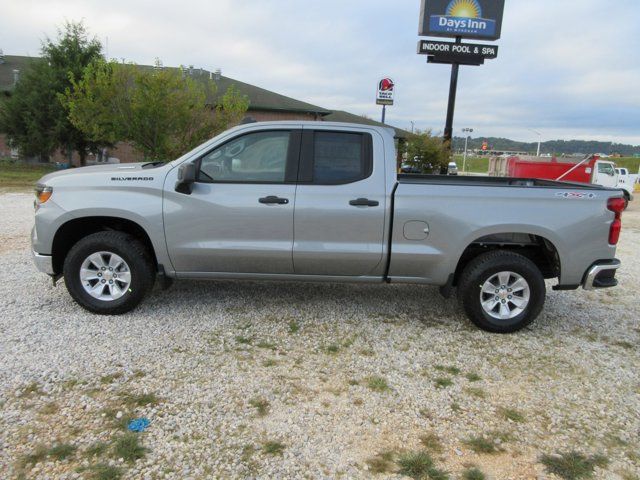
(501, 291)
(108, 272)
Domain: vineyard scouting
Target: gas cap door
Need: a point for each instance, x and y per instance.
(416, 230)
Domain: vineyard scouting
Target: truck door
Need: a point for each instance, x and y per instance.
(239, 215)
(340, 204)
(605, 174)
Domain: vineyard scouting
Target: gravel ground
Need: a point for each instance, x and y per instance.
(337, 374)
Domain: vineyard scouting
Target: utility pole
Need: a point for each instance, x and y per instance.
(466, 131)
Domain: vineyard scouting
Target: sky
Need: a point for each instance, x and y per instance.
(568, 69)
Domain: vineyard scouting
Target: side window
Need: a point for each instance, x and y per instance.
(340, 158)
(606, 168)
(255, 157)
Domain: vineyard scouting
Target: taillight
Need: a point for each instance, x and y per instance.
(616, 205)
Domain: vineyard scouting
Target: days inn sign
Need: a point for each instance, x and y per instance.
(480, 19)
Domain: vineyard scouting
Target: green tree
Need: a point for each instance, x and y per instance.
(163, 112)
(32, 116)
(427, 152)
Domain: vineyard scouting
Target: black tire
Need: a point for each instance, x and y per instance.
(485, 266)
(131, 250)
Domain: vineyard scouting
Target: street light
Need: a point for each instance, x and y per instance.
(467, 131)
(539, 139)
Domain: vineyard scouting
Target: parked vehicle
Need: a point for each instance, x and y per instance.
(452, 168)
(626, 182)
(591, 169)
(321, 201)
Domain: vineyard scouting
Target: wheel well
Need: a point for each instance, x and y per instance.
(74, 230)
(536, 248)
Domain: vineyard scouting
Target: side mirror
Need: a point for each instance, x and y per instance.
(186, 178)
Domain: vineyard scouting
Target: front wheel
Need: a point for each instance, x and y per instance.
(108, 272)
(501, 291)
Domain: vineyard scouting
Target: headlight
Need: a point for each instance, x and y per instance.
(43, 193)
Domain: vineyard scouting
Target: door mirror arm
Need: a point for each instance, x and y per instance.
(186, 178)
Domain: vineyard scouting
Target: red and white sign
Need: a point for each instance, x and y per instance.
(386, 88)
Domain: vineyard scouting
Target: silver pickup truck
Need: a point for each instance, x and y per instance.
(320, 201)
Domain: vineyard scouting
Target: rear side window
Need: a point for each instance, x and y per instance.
(334, 158)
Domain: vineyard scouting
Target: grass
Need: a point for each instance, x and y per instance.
(573, 465)
(107, 379)
(270, 363)
(32, 389)
(140, 400)
(432, 443)
(473, 377)
(273, 447)
(381, 463)
(482, 444)
(294, 327)
(474, 164)
(450, 370)
(473, 474)
(243, 340)
(332, 349)
(377, 384)
(62, 451)
(443, 382)
(23, 176)
(103, 471)
(38, 455)
(513, 415)
(420, 465)
(96, 449)
(267, 345)
(50, 408)
(261, 405)
(128, 447)
(475, 392)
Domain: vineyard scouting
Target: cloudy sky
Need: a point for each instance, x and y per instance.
(569, 68)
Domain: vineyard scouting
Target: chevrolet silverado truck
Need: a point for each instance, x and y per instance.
(321, 201)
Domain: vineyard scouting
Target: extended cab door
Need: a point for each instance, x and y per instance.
(340, 203)
(239, 215)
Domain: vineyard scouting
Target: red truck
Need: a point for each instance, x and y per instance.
(591, 169)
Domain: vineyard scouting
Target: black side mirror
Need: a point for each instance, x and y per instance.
(186, 178)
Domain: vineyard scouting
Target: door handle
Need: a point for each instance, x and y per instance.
(272, 199)
(364, 202)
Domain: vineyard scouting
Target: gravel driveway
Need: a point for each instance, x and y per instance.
(278, 380)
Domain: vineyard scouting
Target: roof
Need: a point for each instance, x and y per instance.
(346, 117)
(259, 98)
(11, 63)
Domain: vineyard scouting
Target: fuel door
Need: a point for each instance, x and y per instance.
(416, 230)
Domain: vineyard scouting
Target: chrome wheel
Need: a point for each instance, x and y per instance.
(105, 276)
(505, 295)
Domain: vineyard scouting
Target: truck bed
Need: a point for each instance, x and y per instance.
(478, 181)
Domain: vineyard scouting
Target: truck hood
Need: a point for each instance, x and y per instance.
(120, 169)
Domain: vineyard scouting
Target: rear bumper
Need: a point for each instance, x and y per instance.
(44, 263)
(601, 274)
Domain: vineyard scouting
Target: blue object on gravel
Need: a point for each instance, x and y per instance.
(138, 424)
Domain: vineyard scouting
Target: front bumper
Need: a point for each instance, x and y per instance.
(601, 274)
(44, 263)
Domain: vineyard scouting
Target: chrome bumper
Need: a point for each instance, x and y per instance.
(601, 275)
(44, 263)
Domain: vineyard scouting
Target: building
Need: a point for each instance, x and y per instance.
(264, 105)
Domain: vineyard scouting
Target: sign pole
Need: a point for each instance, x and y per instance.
(453, 86)
(384, 112)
